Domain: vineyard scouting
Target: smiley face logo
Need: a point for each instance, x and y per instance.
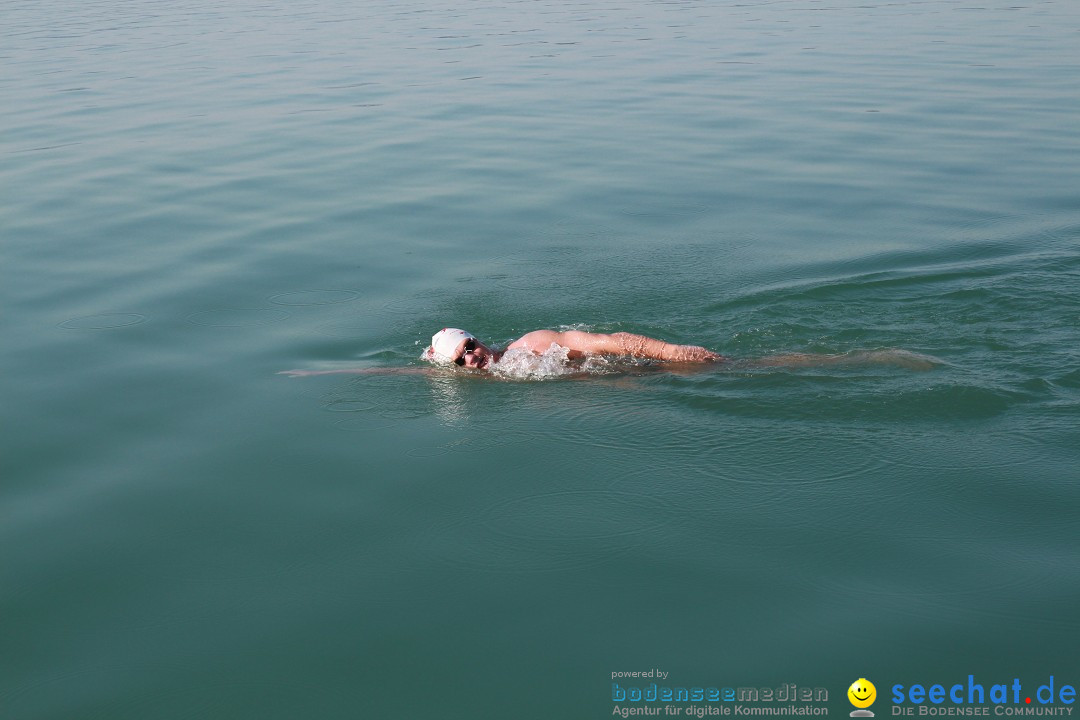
(862, 693)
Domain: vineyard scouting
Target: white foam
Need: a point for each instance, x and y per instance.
(523, 364)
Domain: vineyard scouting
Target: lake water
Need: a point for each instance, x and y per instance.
(199, 195)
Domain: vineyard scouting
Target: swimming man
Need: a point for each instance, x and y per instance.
(451, 345)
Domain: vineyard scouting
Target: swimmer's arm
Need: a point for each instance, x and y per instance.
(584, 343)
(358, 371)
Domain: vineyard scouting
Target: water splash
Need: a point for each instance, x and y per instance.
(523, 364)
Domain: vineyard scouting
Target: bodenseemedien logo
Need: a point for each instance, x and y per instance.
(862, 694)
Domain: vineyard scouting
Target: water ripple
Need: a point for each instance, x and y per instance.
(103, 321)
(315, 297)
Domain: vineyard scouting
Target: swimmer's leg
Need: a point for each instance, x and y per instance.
(896, 358)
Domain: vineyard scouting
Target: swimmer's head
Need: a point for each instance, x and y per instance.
(445, 345)
(457, 347)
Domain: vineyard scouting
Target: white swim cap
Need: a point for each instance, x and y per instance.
(444, 343)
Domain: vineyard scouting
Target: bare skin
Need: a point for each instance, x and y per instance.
(623, 344)
(681, 357)
(580, 344)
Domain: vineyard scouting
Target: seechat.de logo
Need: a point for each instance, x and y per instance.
(862, 695)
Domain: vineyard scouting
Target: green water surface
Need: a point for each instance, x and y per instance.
(199, 195)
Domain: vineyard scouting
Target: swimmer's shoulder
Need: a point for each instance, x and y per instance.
(536, 341)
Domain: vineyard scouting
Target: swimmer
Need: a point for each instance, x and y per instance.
(453, 346)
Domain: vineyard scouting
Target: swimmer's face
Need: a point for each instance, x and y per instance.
(472, 353)
(862, 693)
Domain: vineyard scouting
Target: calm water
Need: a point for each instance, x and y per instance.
(198, 195)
